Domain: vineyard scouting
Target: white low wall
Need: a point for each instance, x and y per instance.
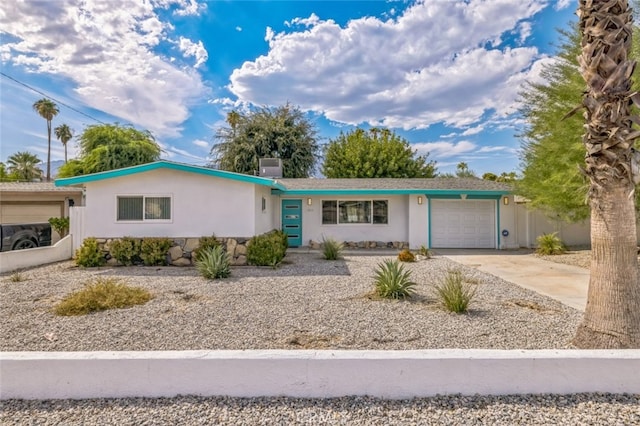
(315, 374)
(19, 259)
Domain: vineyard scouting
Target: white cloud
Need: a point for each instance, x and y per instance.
(312, 20)
(107, 50)
(473, 130)
(201, 143)
(190, 7)
(563, 4)
(430, 64)
(239, 28)
(444, 149)
(525, 31)
(197, 50)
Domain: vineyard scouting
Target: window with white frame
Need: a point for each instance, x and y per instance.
(143, 208)
(336, 212)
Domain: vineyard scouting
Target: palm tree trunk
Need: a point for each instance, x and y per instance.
(612, 315)
(49, 150)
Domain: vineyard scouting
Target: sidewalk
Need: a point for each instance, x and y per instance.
(565, 283)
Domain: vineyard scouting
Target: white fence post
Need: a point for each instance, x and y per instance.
(76, 226)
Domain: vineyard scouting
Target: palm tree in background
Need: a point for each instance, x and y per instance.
(47, 109)
(64, 135)
(24, 166)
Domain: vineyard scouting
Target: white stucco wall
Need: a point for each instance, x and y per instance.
(533, 223)
(395, 230)
(418, 222)
(264, 221)
(509, 222)
(201, 205)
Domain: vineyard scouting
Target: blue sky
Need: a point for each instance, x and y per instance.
(443, 74)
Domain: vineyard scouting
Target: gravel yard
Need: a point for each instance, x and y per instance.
(308, 303)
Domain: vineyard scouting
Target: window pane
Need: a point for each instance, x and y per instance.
(355, 211)
(380, 211)
(329, 212)
(158, 208)
(129, 208)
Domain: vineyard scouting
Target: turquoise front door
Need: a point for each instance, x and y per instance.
(292, 221)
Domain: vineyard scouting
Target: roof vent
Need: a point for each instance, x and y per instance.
(270, 167)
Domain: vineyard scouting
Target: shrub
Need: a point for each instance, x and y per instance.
(204, 243)
(392, 281)
(126, 250)
(88, 254)
(213, 263)
(331, 249)
(424, 251)
(60, 225)
(550, 244)
(455, 294)
(267, 249)
(406, 256)
(17, 277)
(153, 251)
(105, 293)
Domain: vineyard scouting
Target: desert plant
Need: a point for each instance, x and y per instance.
(126, 250)
(392, 281)
(103, 294)
(267, 249)
(406, 256)
(204, 243)
(550, 244)
(153, 251)
(425, 252)
(455, 293)
(331, 249)
(17, 277)
(88, 254)
(60, 225)
(213, 263)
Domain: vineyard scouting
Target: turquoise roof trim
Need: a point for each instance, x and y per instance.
(76, 180)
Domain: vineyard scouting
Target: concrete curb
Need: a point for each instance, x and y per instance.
(315, 374)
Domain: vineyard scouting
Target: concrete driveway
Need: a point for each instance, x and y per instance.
(565, 283)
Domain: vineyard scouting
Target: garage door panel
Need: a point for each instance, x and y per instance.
(463, 224)
(11, 213)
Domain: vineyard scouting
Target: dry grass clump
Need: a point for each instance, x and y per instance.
(103, 294)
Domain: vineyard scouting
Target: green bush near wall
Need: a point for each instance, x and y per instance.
(153, 251)
(267, 249)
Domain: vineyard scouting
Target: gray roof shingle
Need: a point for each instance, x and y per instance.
(455, 184)
(35, 187)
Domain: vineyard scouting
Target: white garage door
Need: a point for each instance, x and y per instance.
(463, 224)
(29, 212)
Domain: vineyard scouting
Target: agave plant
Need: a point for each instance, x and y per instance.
(213, 263)
(392, 281)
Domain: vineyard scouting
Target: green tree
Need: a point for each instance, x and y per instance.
(462, 171)
(47, 109)
(111, 146)
(4, 175)
(64, 135)
(504, 177)
(612, 317)
(552, 151)
(283, 132)
(377, 153)
(23, 166)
